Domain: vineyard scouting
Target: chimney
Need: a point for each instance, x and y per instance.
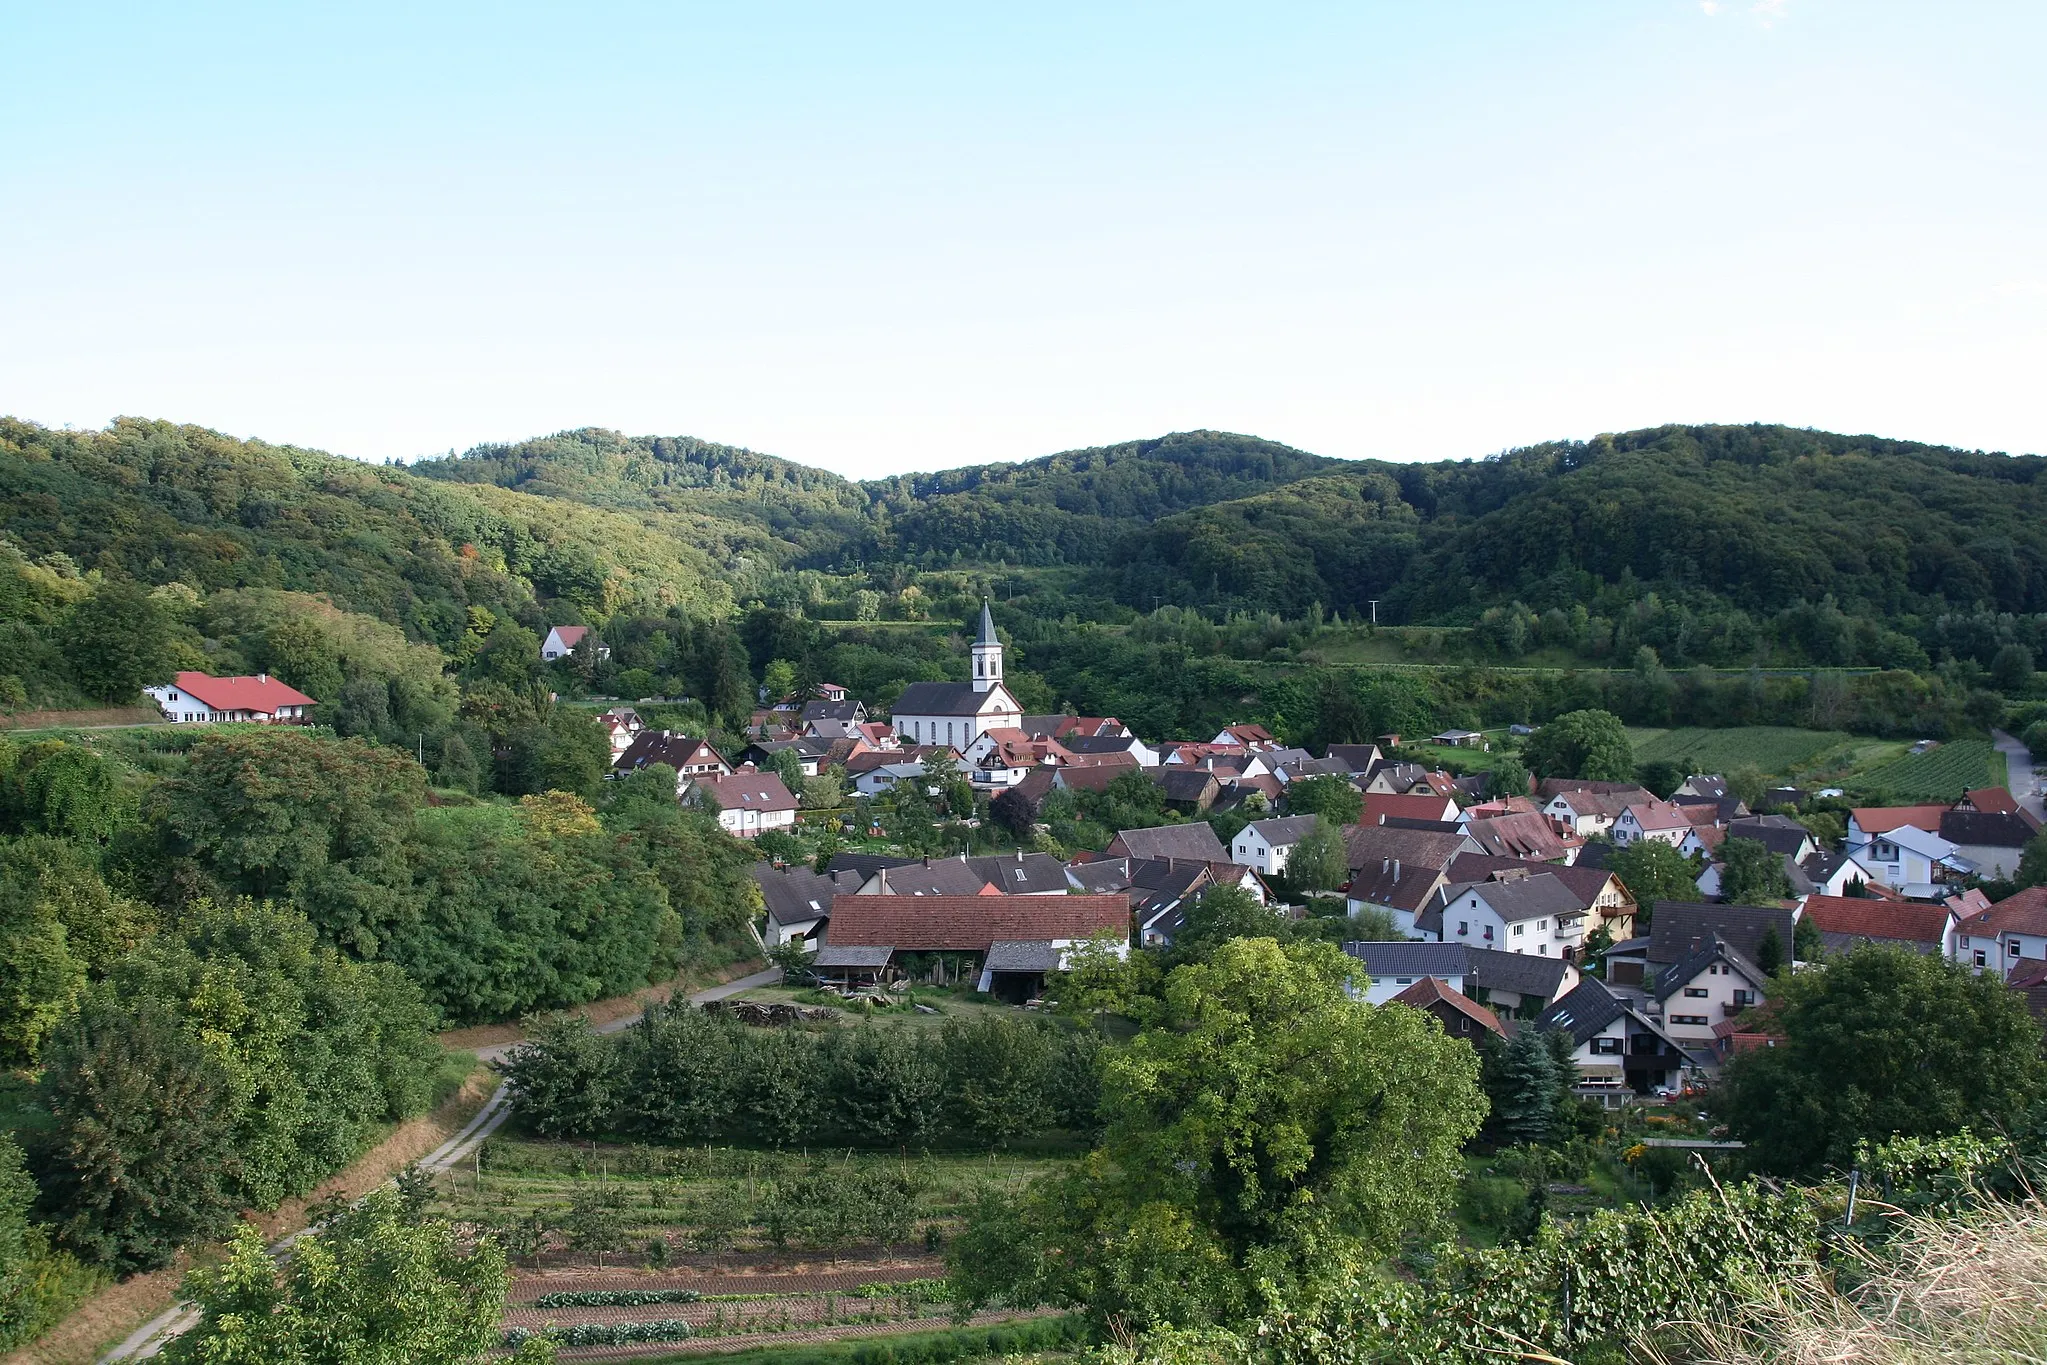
(1396, 871)
(1385, 865)
(262, 677)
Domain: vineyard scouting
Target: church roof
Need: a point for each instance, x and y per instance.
(942, 699)
(987, 635)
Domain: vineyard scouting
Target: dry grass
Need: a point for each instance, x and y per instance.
(1969, 1289)
(120, 1308)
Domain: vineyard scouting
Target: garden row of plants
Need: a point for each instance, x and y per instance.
(687, 1076)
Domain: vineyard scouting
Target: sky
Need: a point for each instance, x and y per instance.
(888, 237)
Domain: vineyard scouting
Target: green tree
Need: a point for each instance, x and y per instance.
(1522, 1080)
(1101, 977)
(1750, 874)
(1265, 1133)
(118, 640)
(1588, 744)
(1654, 871)
(66, 790)
(1220, 914)
(141, 1146)
(374, 1286)
(36, 1285)
(1332, 798)
(1807, 943)
(1661, 776)
(1748, 782)
(2032, 869)
(2011, 670)
(1882, 1042)
(1508, 776)
(1319, 862)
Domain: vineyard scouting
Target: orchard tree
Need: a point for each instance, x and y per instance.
(1264, 1132)
(1881, 1043)
(1750, 874)
(1592, 745)
(1654, 871)
(1337, 801)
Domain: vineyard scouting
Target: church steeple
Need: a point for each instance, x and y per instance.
(987, 653)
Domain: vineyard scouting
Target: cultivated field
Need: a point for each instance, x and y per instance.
(629, 1252)
(1778, 750)
(1941, 774)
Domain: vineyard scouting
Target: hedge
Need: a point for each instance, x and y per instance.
(615, 1298)
(911, 1348)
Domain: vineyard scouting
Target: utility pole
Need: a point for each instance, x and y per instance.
(1375, 611)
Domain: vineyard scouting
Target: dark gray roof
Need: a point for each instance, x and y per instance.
(1526, 897)
(1682, 973)
(1678, 928)
(1184, 784)
(864, 864)
(941, 877)
(1100, 744)
(1773, 832)
(1522, 973)
(849, 711)
(1411, 957)
(1986, 829)
(1025, 955)
(1285, 830)
(1710, 785)
(851, 955)
(793, 895)
(1357, 758)
(1195, 840)
(1594, 854)
(939, 699)
(1589, 1008)
(1021, 874)
(1433, 826)
(1299, 768)
(1100, 876)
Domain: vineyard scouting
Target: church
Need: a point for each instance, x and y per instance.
(960, 713)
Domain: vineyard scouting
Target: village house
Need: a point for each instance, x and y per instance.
(1459, 739)
(1991, 840)
(1677, 929)
(1618, 1050)
(1662, 821)
(837, 714)
(1902, 846)
(749, 802)
(1589, 813)
(1265, 845)
(1379, 806)
(957, 714)
(1460, 1016)
(691, 758)
(1248, 736)
(2009, 937)
(1189, 791)
(1709, 986)
(1006, 874)
(198, 698)
(1537, 914)
(621, 725)
(1847, 922)
(1193, 842)
(1013, 940)
(798, 904)
(562, 641)
(1609, 904)
(1529, 837)
(1400, 871)
(1510, 984)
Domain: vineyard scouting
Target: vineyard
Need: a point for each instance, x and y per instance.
(1939, 775)
(623, 1252)
(1778, 750)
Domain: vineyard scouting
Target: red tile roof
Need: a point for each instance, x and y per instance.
(1908, 921)
(1521, 836)
(748, 790)
(571, 635)
(262, 693)
(968, 924)
(1884, 819)
(2025, 913)
(1660, 815)
(1379, 805)
(1993, 799)
(1429, 991)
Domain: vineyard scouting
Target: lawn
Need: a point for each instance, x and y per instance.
(1779, 750)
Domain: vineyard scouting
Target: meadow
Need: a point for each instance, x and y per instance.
(1779, 750)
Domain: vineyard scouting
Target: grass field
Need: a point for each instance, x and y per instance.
(1941, 774)
(1780, 751)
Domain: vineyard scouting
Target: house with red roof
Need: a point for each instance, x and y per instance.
(1380, 805)
(750, 802)
(561, 642)
(1460, 1016)
(1663, 822)
(2009, 938)
(199, 698)
(1016, 939)
(1846, 922)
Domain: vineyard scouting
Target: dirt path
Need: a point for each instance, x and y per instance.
(450, 1143)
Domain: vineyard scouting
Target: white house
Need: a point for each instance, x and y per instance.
(1538, 915)
(192, 698)
(1389, 967)
(621, 725)
(1709, 987)
(1265, 845)
(1909, 859)
(883, 776)
(561, 642)
(960, 713)
(750, 802)
(2008, 937)
(1992, 841)
(1663, 821)
(690, 757)
(1616, 1048)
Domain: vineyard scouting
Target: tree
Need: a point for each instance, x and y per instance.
(2032, 869)
(1588, 744)
(117, 642)
(1882, 1042)
(1265, 1132)
(1334, 799)
(142, 1144)
(1522, 1081)
(1220, 914)
(1015, 812)
(1750, 874)
(1661, 777)
(35, 1284)
(1508, 776)
(66, 790)
(1807, 943)
(374, 1286)
(2011, 670)
(1319, 862)
(1749, 783)
(1654, 871)
(1101, 977)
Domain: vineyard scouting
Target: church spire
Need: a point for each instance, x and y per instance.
(987, 653)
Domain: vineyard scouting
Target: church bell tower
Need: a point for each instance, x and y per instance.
(987, 653)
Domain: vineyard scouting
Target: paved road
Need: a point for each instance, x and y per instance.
(150, 1338)
(2026, 779)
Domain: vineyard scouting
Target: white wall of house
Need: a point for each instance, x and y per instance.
(749, 824)
(1628, 829)
(2003, 954)
(1250, 849)
(958, 731)
(1384, 988)
(775, 934)
(1717, 994)
(1468, 919)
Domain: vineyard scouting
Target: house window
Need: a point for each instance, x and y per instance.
(1541, 924)
(1696, 992)
(1744, 997)
(1464, 927)
(1518, 928)
(1982, 958)
(1687, 1018)
(1606, 1047)
(1403, 981)
(2012, 948)
(1489, 933)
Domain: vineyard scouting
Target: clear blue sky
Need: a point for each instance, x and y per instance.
(881, 237)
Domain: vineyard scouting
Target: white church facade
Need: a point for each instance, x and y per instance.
(960, 713)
